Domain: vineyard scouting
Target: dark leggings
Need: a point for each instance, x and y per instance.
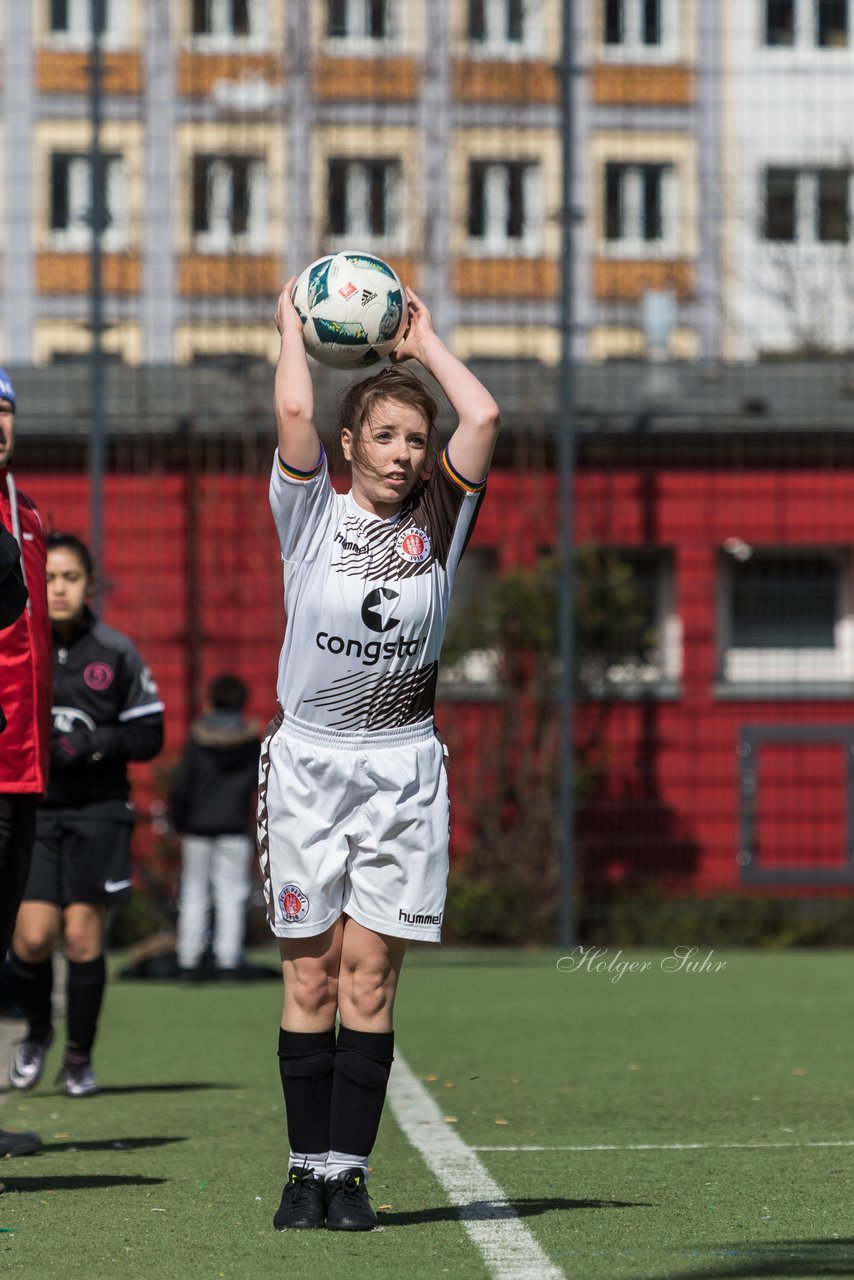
(17, 832)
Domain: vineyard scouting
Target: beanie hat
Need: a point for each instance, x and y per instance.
(6, 390)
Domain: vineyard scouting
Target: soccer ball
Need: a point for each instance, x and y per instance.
(353, 309)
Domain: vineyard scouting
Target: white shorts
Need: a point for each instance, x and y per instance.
(353, 823)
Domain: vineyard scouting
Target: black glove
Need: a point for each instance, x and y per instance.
(69, 748)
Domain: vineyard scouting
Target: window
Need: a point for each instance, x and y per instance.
(831, 23)
(640, 211)
(786, 615)
(640, 27)
(781, 204)
(229, 212)
(781, 601)
(806, 23)
(628, 23)
(505, 207)
(504, 27)
(811, 206)
(227, 24)
(360, 21)
(779, 22)
(364, 201)
(628, 635)
(71, 23)
(221, 17)
(71, 201)
(83, 359)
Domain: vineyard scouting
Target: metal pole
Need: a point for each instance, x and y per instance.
(98, 215)
(566, 472)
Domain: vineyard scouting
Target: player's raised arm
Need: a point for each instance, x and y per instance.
(293, 395)
(473, 441)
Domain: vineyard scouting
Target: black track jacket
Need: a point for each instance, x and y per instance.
(106, 711)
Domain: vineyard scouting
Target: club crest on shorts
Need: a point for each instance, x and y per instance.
(293, 904)
(413, 545)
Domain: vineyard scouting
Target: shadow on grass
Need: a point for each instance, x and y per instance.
(106, 1090)
(78, 1182)
(776, 1258)
(108, 1144)
(188, 1086)
(490, 1211)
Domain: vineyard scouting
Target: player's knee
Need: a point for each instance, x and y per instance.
(79, 945)
(311, 990)
(32, 944)
(369, 993)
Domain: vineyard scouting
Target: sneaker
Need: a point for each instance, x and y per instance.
(19, 1144)
(303, 1201)
(27, 1065)
(78, 1079)
(347, 1207)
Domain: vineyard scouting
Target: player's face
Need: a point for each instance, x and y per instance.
(67, 584)
(391, 457)
(7, 432)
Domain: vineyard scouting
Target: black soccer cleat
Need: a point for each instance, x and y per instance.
(303, 1202)
(347, 1203)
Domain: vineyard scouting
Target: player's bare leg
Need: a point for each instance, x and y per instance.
(310, 975)
(368, 977)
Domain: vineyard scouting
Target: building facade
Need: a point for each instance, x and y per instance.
(243, 138)
(787, 263)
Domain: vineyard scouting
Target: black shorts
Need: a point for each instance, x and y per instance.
(79, 859)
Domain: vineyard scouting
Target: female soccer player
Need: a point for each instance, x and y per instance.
(106, 711)
(353, 804)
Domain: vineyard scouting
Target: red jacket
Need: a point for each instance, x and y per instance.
(25, 657)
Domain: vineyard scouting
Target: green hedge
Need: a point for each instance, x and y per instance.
(496, 912)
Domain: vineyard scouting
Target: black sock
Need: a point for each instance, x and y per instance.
(86, 982)
(33, 985)
(362, 1064)
(306, 1066)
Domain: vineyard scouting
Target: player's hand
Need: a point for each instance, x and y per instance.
(69, 748)
(287, 316)
(418, 331)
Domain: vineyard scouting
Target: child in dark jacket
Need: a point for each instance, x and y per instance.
(211, 806)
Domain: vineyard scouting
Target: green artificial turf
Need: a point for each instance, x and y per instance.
(175, 1169)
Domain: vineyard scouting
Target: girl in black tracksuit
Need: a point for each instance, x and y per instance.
(106, 711)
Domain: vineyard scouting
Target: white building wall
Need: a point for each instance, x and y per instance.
(783, 107)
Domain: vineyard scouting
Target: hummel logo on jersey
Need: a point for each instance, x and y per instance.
(367, 297)
(372, 611)
(350, 546)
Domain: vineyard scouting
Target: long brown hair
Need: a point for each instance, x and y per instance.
(359, 400)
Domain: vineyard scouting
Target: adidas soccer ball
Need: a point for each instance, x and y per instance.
(353, 309)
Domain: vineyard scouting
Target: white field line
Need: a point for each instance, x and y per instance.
(508, 1247)
(680, 1146)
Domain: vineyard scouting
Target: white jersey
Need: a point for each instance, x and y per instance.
(366, 597)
